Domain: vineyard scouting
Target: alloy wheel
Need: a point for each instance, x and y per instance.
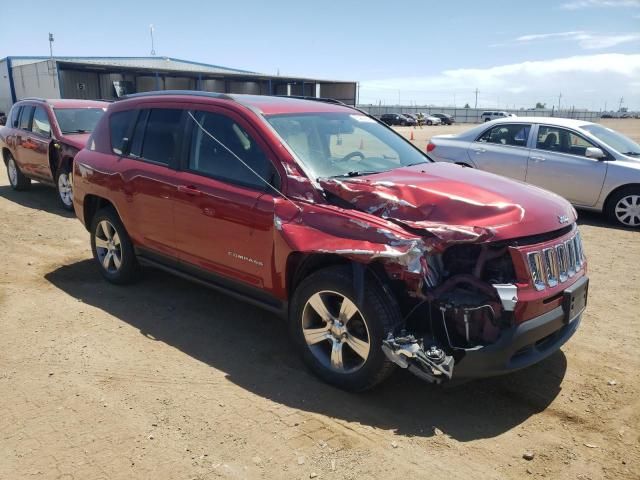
(627, 210)
(65, 188)
(12, 170)
(108, 246)
(336, 332)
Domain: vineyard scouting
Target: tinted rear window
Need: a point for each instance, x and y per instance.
(162, 135)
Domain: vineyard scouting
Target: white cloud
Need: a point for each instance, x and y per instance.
(519, 83)
(586, 40)
(580, 4)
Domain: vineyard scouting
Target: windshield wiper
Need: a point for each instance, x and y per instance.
(416, 163)
(635, 154)
(357, 173)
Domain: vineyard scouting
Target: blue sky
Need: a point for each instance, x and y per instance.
(515, 53)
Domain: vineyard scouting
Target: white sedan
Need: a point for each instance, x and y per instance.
(592, 166)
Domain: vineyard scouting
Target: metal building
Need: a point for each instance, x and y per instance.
(111, 77)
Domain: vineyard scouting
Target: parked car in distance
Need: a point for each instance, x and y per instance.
(594, 167)
(377, 256)
(40, 139)
(398, 119)
(493, 115)
(445, 118)
(431, 119)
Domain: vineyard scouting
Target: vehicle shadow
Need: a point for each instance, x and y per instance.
(598, 219)
(38, 197)
(253, 349)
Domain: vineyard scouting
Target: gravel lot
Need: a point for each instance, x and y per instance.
(166, 379)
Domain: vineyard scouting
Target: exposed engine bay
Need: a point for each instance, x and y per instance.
(468, 297)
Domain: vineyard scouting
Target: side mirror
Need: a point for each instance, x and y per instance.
(594, 152)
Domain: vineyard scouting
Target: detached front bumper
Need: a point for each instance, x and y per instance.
(526, 344)
(517, 347)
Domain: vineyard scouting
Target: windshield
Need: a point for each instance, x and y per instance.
(78, 120)
(344, 144)
(614, 139)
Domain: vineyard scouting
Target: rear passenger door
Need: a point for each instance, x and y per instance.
(558, 163)
(503, 149)
(148, 142)
(223, 211)
(23, 149)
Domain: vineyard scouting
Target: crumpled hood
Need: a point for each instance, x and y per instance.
(77, 140)
(455, 203)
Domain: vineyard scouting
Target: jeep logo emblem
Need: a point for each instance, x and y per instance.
(563, 219)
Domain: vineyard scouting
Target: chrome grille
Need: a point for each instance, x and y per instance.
(556, 264)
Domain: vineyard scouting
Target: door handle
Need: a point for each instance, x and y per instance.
(537, 159)
(479, 150)
(189, 190)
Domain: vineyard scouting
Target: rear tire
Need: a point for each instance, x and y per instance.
(339, 332)
(112, 248)
(17, 179)
(623, 208)
(64, 186)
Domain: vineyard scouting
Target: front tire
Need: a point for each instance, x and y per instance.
(339, 328)
(64, 186)
(17, 179)
(623, 208)
(112, 248)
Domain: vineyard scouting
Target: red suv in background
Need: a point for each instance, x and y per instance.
(40, 139)
(376, 255)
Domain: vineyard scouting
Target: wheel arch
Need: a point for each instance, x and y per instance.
(612, 193)
(300, 265)
(91, 205)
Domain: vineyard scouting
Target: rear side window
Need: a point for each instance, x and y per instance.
(210, 157)
(515, 135)
(41, 125)
(161, 135)
(25, 118)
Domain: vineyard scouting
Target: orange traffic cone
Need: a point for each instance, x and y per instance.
(411, 138)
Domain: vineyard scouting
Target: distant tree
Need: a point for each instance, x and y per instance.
(466, 105)
(541, 105)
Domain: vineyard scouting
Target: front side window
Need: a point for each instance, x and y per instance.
(40, 124)
(25, 118)
(616, 140)
(557, 139)
(515, 135)
(217, 142)
(344, 144)
(162, 134)
(78, 120)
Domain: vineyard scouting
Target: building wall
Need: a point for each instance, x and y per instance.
(38, 79)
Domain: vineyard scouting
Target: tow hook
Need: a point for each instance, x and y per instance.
(430, 364)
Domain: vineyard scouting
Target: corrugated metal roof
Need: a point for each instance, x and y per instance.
(160, 63)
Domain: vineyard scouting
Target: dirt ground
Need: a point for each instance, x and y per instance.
(168, 380)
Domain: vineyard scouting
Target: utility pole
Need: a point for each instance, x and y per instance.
(51, 44)
(398, 97)
(559, 98)
(153, 50)
(605, 105)
(476, 104)
(620, 106)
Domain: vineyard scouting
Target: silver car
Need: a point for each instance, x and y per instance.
(592, 166)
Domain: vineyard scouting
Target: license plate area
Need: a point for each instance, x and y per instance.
(575, 299)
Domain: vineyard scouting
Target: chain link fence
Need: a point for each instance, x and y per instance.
(473, 115)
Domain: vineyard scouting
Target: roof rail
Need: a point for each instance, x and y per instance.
(34, 98)
(195, 93)
(317, 99)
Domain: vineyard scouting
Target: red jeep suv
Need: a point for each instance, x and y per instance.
(376, 256)
(40, 139)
